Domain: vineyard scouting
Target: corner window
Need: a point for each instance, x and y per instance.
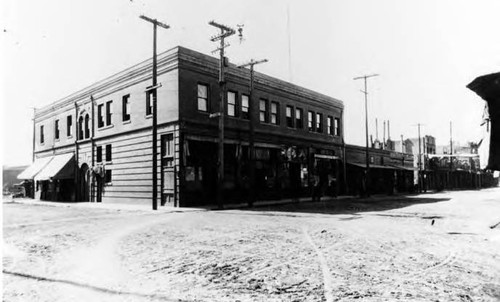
(231, 103)
(263, 111)
(275, 109)
(245, 107)
(56, 129)
(319, 122)
(108, 153)
(289, 116)
(337, 127)
(42, 136)
(202, 97)
(126, 108)
(69, 125)
(98, 154)
(310, 120)
(299, 118)
(109, 112)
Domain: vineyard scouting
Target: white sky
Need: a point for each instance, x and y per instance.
(425, 51)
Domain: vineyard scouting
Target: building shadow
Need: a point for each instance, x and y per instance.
(332, 206)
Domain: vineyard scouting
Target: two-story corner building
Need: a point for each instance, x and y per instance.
(96, 144)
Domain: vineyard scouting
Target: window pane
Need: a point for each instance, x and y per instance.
(231, 103)
(202, 104)
(202, 91)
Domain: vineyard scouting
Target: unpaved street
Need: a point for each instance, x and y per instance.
(433, 247)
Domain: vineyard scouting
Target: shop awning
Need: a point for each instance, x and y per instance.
(60, 167)
(405, 168)
(35, 168)
(324, 156)
(372, 166)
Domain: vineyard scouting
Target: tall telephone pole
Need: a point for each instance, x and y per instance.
(251, 138)
(365, 92)
(153, 88)
(225, 32)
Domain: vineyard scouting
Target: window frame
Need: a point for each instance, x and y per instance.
(109, 113)
(98, 154)
(311, 122)
(109, 153)
(100, 116)
(245, 110)
(329, 125)
(274, 115)
(149, 101)
(299, 122)
(289, 118)
(234, 105)
(56, 129)
(69, 125)
(126, 108)
(264, 112)
(42, 135)
(336, 131)
(199, 98)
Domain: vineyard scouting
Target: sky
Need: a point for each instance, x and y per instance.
(424, 51)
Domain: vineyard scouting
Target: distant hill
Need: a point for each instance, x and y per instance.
(10, 175)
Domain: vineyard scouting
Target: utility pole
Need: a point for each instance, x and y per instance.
(154, 92)
(251, 121)
(367, 179)
(419, 162)
(225, 32)
(451, 152)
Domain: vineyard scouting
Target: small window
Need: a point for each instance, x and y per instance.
(289, 116)
(149, 101)
(202, 97)
(107, 176)
(231, 103)
(319, 122)
(69, 125)
(245, 107)
(98, 154)
(299, 117)
(108, 153)
(263, 111)
(275, 109)
(56, 129)
(42, 136)
(168, 145)
(100, 115)
(337, 127)
(329, 125)
(126, 108)
(109, 112)
(310, 121)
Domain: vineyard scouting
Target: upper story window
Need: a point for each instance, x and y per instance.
(337, 127)
(108, 153)
(56, 129)
(98, 154)
(109, 112)
(126, 108)
(80, 127)
(87, 126)
(310, 121)
(289, 116)
(299, 118)
(231, 103)
(202, 97)
(329, 125)
(149, 101)
(319, 122)
(100, 115)
(275, 109)
(245, 106)
(42, 136)
(69, 125)
(263, 111)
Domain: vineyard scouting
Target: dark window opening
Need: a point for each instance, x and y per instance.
(108, 153)
(56, 129)
(126, 108)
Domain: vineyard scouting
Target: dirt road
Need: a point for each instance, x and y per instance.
(434, 247)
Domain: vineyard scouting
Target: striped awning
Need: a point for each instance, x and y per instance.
(60, 167)
(35, 168)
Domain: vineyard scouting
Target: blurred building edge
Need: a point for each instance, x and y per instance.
(488, 88)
